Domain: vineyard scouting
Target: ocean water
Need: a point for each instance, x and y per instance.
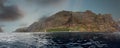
(60, 40)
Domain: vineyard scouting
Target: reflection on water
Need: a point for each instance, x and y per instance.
(59, 40)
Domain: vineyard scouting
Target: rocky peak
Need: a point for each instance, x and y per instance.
(89, 12)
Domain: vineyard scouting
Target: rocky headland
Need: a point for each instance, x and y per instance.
(74, 22)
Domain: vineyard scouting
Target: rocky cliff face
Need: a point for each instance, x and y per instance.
(119, 24)
(75, 21)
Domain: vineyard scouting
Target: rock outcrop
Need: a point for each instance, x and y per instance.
(75, 21)
(21, 30)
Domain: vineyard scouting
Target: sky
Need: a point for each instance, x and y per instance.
(16, 14)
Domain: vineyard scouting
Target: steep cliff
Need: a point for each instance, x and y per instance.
(75, 21)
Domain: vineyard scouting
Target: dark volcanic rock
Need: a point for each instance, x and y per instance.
(75, 21)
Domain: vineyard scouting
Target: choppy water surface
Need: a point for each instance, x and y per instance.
(60, 40)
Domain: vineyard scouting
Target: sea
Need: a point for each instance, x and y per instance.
(60, 40)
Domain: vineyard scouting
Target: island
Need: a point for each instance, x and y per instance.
(69, 21)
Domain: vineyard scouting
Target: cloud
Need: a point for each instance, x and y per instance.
(9, 12)
(47, 2)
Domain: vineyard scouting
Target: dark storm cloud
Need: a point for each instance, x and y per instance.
(8, 12)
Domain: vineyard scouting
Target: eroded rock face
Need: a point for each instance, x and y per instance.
(75, 21)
